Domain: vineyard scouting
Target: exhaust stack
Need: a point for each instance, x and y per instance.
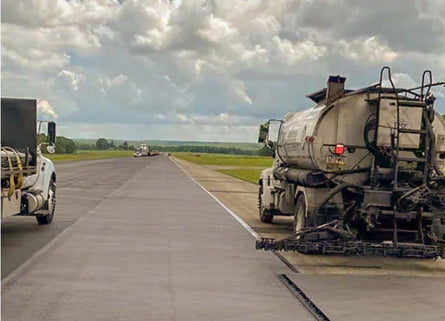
(336, 88)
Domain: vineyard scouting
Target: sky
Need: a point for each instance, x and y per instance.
(204, 69)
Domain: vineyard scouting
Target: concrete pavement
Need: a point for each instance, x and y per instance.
(157, 248)
(242, 198)
(80, 187)
(375, 298)
(149, 244)
(342, 287)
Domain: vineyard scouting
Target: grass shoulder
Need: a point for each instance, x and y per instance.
(225, 159)
(249, 175)
(247, 168)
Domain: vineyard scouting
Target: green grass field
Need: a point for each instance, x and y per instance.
(247, 168)
(89, 154)
(250, 175)
(225, 160)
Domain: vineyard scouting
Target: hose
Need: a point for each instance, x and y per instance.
(334, 192)
(371, 124)
(410, 192)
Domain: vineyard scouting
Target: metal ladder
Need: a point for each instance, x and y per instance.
(424, 140)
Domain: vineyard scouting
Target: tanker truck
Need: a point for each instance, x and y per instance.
(361, 172)
(28, 179)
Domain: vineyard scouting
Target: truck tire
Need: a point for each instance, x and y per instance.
(44, 219)
(265, 215)
(300, 214)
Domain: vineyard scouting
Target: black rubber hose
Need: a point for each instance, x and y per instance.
(334, 192)
(371, 124)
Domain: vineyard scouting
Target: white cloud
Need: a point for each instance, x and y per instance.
(44, 108)
(198, 65)
(216, 30)
(214, 64)
(182, 118)
(188, 132)
(258, 55)
(303, 50)
(115, 81)
(240, 93)
(34, 59)
(160, 117)
(51, 13)
(403, 80)
(367, 50)
(70, 80)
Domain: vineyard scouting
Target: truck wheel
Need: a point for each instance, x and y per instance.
(44, 219)
(300, 214)
(265, 215)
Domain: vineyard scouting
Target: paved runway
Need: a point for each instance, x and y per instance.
(80, 188)
(145, 243)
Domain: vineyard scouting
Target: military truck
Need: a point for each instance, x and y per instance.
(360, 168)
(28, 179)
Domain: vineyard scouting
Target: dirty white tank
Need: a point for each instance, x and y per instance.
(332, 137)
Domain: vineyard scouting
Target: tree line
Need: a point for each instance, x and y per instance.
(104, 144)
(63, 145)
(68, 146)
(264, 151)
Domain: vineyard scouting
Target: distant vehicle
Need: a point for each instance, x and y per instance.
(361, 165)
(142, 151)
(28, 179)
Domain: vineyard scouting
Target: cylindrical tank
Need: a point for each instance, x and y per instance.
(307, 139)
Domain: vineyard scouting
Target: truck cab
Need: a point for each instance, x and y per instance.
(28, 179)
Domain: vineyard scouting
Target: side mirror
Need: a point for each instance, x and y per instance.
(51, 133)
(263, 133)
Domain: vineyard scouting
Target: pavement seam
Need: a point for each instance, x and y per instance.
(10, 279)
(303, 298)
(236, 217)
